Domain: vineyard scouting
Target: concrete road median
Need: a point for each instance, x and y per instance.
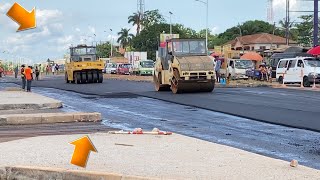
(48, 118)
(10, 100)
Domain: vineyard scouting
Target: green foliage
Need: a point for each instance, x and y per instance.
(125, 37)
(247, 28)
(151, 18)
(304, 30)
(149, 38)
(104, 50)
(135, 19)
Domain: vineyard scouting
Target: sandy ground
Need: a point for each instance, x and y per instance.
(165, 157)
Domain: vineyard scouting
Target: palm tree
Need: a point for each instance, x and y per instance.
(125, 37)
(135, 19)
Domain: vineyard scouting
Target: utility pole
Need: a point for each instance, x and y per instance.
(207, 20)
(111, 44)
(287, 21)
(170, 23)
(315, 24)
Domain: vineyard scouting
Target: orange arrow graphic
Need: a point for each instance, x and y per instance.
(26, 20)
(83, 146)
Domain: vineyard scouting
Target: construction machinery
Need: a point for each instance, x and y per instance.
(83, 66)
(183, 65)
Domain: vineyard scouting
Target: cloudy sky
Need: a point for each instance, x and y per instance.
(62, 23)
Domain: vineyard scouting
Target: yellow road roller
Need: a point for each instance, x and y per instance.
(184, 66)
(83, 66)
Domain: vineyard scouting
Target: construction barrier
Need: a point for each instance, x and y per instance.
(139, 131)
(283, 75)
(301, 84)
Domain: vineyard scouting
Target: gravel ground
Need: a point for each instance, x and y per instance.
(166, 157)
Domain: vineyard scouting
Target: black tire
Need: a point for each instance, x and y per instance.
(66, 78)
(89, 77)
(83, 77)
(280, 80)
(100, 77)
(95, 76)
(77, 78)
(306, 82)
(157, 84)
(175, 82)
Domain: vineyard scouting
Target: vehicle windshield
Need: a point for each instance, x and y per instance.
(84, 51)
(147, 64)
(125, 66)
(112, 65)
(185, 47)
(243, 64)
(312, 62)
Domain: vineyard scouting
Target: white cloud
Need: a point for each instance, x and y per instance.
(77, 29)
(215, 30)
(4, 8)
(92, 30)
(47, 16)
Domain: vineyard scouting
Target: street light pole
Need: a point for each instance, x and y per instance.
(111, 44)
(170, 22)
(207, 19)
(207, 24)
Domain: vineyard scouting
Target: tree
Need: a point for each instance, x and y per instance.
(135, 19)
(152, 17)
(247, 28)
(304, 30)
(292, 30)
(146, 19)
(125, 37)
(104, 50)
(149, 38)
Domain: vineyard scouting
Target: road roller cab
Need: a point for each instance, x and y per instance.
(84, 66)
(184, 66)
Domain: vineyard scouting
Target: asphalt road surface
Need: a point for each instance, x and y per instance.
(127, 111)
(293, 108)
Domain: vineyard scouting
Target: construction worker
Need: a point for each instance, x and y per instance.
(29, 77)
(23, 77)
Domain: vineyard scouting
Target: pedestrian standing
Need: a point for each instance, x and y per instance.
(47, 70)
(57, 68)
(1, 71)
(23, 77)
(217, 69)
(53, 68)
(16, 71)
(37, 71)
(29, 77)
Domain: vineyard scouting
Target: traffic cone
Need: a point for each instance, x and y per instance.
(314, 84)
(283, 85)
(301, 84)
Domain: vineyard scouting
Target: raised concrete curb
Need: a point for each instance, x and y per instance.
(10, 100)
(21, 173)
(48, 118)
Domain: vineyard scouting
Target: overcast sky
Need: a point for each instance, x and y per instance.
(62, 23)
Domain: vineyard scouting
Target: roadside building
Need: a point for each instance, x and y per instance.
(259, 42)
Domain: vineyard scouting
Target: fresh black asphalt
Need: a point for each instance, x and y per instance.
(293, 108)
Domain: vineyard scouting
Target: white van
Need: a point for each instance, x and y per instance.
(111, 68)
(237, 68)
(296, 70)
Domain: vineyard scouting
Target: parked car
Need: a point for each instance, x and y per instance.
(237, 68)
(296, 70)
(123, 69)
(111, 68)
